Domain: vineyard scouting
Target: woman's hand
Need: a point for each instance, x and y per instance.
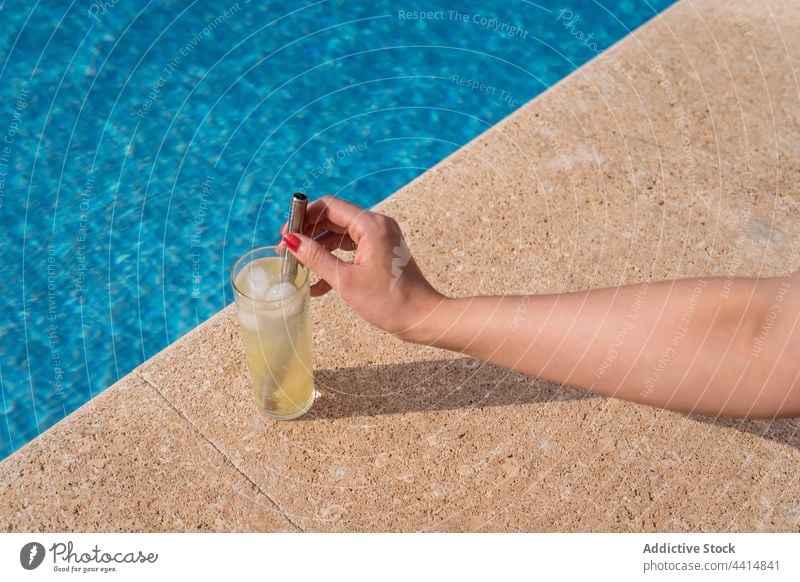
(383, 284)
(710, 346)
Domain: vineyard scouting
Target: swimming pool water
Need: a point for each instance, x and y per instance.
(145, 146)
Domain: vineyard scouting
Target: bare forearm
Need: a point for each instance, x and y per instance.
(686, 345)
(714, 346)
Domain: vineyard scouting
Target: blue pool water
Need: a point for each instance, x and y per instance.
(145, 146)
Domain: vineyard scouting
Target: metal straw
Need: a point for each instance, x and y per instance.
(297, 216)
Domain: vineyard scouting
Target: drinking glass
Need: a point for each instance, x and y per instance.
(276, 328)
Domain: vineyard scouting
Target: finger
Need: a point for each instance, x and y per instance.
(336, 211)
(319, 288)
(312, 229)
(315, 229)
(330, 239)
(335, 241)
(325, 224)
(328, 213)
(318, 259)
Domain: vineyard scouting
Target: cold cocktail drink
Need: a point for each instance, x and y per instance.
(276, 327)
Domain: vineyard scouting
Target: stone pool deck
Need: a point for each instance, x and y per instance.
(675, 154)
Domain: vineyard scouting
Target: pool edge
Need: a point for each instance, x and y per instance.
(159, 383)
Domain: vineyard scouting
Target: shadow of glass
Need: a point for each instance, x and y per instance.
(427, 386)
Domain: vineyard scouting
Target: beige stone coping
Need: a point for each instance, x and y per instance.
(674, 154)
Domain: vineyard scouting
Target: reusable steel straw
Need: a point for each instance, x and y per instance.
(297, 216)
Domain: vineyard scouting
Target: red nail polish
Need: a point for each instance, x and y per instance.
(292, 241)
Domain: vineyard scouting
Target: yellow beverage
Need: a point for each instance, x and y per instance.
(276, 327)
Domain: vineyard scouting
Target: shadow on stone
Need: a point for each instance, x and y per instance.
(427, 386)
(780, 430)
(468, 383)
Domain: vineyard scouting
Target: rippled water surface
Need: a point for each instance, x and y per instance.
(144, 146)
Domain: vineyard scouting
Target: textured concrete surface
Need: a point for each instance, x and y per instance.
(674, 154)
(128, 461)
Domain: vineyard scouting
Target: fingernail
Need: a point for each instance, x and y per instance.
(292, 241)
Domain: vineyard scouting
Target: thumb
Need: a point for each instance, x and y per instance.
(317, 258)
